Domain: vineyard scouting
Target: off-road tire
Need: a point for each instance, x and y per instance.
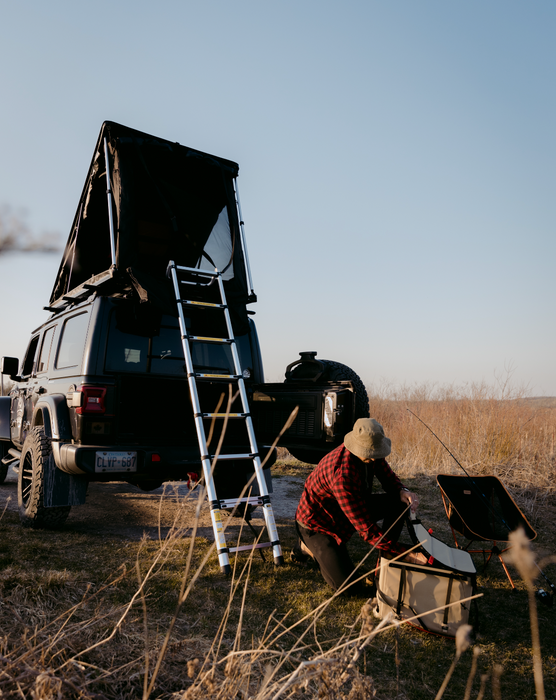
(36, 458)
(335, 372)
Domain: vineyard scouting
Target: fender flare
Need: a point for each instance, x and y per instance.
(52, 413)
(64, 488)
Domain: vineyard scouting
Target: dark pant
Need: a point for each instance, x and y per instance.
(335, 563)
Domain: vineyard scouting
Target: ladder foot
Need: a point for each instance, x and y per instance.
(279, 561)
(226, 570)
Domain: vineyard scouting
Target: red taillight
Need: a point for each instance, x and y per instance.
(92, 400)
(155, 457)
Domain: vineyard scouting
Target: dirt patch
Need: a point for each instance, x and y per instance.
(121, 510)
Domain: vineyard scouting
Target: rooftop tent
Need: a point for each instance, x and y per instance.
(161, 201)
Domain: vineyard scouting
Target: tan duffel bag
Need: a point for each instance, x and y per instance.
(429, 596)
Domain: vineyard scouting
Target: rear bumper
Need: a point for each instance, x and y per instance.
(80, 459)
(154, 464)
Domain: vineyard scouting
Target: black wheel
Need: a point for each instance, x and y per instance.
(36, 460)
(332, 372)
(4, 447)
(336, 372)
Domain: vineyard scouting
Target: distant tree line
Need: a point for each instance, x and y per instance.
(15, 235)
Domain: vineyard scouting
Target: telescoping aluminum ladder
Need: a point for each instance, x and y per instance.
(181, 277)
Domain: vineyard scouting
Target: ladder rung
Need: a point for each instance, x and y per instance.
(225, 415)
(197, 271)
(201, 375)
(191, 282)
(188, 302)
(233, 502)
(204, 339)
(230, 457)
(248, 547)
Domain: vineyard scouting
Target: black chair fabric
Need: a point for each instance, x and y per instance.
(480, 508)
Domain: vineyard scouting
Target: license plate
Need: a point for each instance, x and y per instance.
(116, 462)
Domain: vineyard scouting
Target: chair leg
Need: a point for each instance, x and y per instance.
(484, 552)
(506, 570)
(491, 553)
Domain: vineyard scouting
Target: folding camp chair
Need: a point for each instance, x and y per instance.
(480, 509)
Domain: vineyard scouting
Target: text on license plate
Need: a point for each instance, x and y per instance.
(116, 462)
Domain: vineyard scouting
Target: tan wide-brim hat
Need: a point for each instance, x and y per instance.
(367, 440)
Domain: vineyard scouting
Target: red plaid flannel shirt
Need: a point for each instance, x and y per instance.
(333, 500)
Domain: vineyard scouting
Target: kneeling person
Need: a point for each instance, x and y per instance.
(337, 501)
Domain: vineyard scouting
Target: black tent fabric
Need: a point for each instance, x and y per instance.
(169, 202)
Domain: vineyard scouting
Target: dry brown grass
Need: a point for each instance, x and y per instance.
(167, 625)
(489, 429)
(100, 648)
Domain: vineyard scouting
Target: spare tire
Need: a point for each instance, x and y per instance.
(331, 372)
(337, 372)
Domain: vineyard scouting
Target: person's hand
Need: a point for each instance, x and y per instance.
(416, 558)
(411, 499)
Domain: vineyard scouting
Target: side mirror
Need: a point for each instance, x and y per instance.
(9, 366)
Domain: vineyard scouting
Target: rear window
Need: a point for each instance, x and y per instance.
(72, 342)
(162, 353)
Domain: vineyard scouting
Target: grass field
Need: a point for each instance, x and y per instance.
(489, 430)
(88, 617)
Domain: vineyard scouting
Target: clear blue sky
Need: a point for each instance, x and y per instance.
(397, 165)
